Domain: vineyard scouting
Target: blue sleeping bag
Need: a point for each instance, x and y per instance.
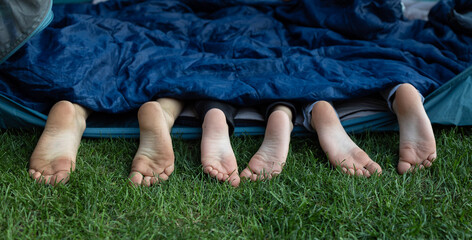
(113, 57)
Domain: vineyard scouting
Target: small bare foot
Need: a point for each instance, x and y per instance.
(271, 156)
(339, 147)
(55, 154)
(218, 158)
(417, 143)
(154, 160)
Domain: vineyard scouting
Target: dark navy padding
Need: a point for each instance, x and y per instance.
(115, 56)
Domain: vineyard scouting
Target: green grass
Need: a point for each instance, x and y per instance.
(309, 199)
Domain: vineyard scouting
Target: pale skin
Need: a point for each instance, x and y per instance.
(272, 154)
(56, 152)
(417, 148)
(154, 160)
(217, 155)
(417, 142)
(337, 145)
(54, 157)
(218, 158)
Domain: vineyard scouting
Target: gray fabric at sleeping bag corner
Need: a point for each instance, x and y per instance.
(19, 20)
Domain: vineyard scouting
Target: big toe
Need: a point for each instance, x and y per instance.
(403, 167)
(432, 157)
(234, 180)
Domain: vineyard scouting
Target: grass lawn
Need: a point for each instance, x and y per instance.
(309, 199)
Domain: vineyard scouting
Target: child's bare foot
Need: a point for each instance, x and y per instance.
(154, 160)
(218, 158)
(417, 143)
(339, 147)
(55, 154)
(271, 156)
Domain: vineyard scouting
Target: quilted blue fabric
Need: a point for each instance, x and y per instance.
(113, 57)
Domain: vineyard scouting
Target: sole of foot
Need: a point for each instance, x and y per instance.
(341, 150)
(54, 157)
(270, 159)
(417, 148)
(154, 159)
(217, 156)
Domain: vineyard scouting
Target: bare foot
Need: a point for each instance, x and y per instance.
(218, 158)
(339, 147)
(55, 154)
(271, 156)
(154, 160)
(417, 143)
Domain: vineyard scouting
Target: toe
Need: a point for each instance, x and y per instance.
(261, 177)
(36, 176)
(168, 171)
(162, 176)
(234, 180)
(432, 157)
(147, 181)
(219, 176)
(225, 176)
(266, 175)
(136, 178)
(373, 168)
(213, 173)
(351, 171)
(60, 178)
(246, 173)
(427, 163)
(274, 174)
(403, 167)
(415, 168)
(154, 180)
(359, 172)
(207, 169)
(46, 179)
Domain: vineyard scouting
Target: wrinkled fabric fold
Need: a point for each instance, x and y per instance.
(114, 56)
